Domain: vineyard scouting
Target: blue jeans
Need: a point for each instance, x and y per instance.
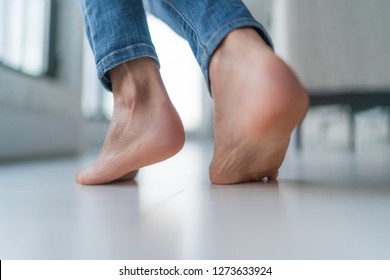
(118, 32)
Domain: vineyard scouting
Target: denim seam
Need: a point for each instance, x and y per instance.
(114, 53)
(188, 24)
(224, 26)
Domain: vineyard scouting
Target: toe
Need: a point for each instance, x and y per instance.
(82, 176)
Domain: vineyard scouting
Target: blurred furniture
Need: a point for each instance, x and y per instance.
(340, 50)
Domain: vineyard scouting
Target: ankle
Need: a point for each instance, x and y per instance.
(133, 80)
(237, 47)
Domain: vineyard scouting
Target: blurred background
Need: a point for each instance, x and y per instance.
(332, 200)
(51, 102)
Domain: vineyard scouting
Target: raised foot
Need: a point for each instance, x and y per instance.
(257, 102)
(145, 127)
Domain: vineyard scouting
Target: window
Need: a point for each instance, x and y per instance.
(24, 35)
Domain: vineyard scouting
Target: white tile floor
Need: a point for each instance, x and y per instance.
(333, 205)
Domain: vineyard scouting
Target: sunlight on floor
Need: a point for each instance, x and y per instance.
(326, 205)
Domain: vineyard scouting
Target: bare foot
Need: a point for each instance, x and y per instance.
(258, 102)
(145, 127)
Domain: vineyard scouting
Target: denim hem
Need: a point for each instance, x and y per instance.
(216, 39)
(121, 56)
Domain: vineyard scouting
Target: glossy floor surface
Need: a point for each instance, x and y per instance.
(326, 205)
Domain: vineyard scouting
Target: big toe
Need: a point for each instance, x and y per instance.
(84, 176)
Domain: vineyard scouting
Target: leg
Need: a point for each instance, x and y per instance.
(205, 23)
(258, 101)
(145, 127)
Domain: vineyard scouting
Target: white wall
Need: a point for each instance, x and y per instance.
(261, 10)
(41, 116)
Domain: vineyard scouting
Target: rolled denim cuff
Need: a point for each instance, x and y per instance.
(121, 56)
